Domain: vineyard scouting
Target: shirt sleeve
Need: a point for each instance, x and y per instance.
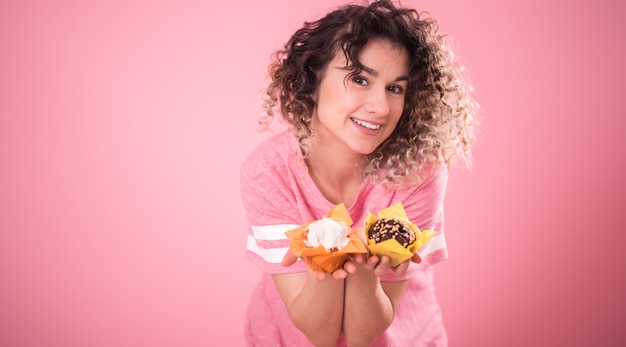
(423, 205)
(269, 210)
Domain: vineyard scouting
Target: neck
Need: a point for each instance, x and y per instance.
(336, 174)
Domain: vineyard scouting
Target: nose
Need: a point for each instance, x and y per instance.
(377, 102)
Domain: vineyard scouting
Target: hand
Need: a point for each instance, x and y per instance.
(381, 265)
(372, 262)
(348, 267)
(378, 265)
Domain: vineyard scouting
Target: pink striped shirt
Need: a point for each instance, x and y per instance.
(279, 195)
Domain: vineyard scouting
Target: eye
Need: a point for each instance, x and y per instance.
(395, 89)
(360, 80)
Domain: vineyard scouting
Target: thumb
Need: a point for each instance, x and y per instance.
(289, 258)
(416, 258)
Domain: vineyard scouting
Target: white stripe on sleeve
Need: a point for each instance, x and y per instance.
(437, 242)
(272, 232)
(270, 255)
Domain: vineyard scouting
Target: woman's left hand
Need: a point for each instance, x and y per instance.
(381, 265)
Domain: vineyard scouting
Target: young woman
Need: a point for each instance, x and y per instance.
(377, 110)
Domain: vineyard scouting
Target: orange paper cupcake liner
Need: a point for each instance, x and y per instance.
(392, 248)
(317, 258)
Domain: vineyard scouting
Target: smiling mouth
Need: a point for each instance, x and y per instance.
(365, 124)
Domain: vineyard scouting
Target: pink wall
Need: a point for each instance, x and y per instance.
(123, 123)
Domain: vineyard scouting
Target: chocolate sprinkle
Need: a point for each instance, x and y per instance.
(387, 228)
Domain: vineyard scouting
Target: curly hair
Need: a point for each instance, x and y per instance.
(437, 123)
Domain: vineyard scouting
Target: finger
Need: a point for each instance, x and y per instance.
(340, 274)
(371, 262)
(416, 258)
(349, 267)
(401, 268)
(289, 258)
(359, 258)
(382, 266)
(320, 275)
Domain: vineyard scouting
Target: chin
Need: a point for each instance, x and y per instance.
(365, 150)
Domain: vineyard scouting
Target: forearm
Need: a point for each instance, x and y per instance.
(316, 309)
(367, 311)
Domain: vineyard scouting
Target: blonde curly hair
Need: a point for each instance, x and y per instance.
(437, 124)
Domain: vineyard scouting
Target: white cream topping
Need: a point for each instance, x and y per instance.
(328, 233)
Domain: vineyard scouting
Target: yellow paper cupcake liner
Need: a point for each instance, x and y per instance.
(392, 248)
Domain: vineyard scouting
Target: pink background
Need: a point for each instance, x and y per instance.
(123, 124)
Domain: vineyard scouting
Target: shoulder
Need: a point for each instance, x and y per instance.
(268, 178)
(433, 178)
(276, 151)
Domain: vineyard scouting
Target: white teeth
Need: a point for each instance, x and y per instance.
(366, 124)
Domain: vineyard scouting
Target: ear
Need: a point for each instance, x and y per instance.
(315, 95)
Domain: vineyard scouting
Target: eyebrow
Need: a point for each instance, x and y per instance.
(374, 73)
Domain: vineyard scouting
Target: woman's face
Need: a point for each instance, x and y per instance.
(357, 114)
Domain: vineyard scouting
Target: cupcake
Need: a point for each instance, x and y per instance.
(389, 228)
(391, 233)
(328, 233)
(325, 244)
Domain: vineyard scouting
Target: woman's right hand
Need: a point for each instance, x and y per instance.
(348, 267)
